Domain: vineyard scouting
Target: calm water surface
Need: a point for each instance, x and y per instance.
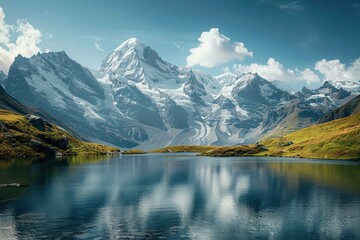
(181, 196)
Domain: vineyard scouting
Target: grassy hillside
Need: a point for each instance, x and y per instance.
(338, 139)
(21, 137)
(246, 150)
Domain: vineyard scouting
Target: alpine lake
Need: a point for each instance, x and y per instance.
(180, 196)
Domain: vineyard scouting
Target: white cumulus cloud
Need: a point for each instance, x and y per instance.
(334, 70)
(215, 49)
(308, 76)
(25, 44)
(274, 70)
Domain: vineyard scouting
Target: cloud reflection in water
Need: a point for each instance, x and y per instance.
(186, 197)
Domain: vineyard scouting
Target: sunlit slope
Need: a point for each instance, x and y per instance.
(338, 139)
(29, 137)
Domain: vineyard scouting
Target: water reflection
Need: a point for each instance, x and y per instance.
(181, 197)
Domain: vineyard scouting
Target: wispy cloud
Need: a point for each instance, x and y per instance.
(46, 13)
(356, 5)
(179, 47)
(98, 47)
(48, 36)
(294, 5)
(309, 41)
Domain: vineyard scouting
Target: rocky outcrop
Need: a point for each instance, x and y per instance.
(45, 148)
(3, 126)
(38, 122)
(11, 185)
(34, 137)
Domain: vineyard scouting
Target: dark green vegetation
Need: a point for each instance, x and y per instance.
(246, 150)
(134, 151)
(33, 137)
(185, 148)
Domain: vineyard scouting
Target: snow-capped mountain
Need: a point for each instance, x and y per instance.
(325, 93)
(350, 86)
(59, 85)
(138, 99)
(137, 62)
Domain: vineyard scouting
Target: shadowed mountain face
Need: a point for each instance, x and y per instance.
(2, 77)
(350, 108)
(9, 103)
(138, 99)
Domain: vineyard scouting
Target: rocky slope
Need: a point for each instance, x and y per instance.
(33, 137)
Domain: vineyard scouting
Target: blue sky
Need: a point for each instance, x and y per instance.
(296, 34)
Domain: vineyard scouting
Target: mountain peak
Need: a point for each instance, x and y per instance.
(327, 84)
(305, 90)
(59, 54)
(250, 77)
(328, 88)
(132, 40)
(226, 75)
(129, 44)
(19, 56)
(132, 57)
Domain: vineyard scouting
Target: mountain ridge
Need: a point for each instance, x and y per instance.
(350, 108)
(139, 100)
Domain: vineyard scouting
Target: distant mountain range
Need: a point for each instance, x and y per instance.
(136, 99)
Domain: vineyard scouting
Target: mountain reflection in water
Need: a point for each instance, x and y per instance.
(182, 196)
